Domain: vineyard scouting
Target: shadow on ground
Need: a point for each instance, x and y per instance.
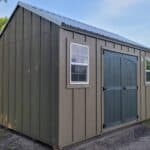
(12, 141)
(133, 138)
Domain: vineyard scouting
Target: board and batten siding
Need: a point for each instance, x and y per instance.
(81, 108)
(36, 98)
(77, 111)
(145, 89)
(29, 76)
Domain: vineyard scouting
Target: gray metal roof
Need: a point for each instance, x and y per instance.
(60, 20)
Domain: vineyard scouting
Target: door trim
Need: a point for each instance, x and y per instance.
(120, 51)
(105, 130)
(137, 54)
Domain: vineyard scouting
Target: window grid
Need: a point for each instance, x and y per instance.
(147, 71)
(80, 76)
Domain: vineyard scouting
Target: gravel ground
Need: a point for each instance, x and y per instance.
(133, 138)
(12, 141)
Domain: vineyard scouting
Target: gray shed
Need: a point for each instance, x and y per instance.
(63, 81)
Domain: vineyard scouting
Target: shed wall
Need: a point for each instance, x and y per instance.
(81, 111)
(29, 76)
(145, 89)
(31, 83)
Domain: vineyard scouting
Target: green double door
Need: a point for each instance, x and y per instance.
(120, 88)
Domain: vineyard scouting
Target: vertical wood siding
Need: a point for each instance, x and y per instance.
(29, 76)
(19, 70)
(90, 99)
(142, 87)
(66, 96)
(6, 77)
(34, 61)
(45, 81)
(27, 72)
(77, 106)
(12, 74)
(1, 78)
(146, 91)
(35, 76)
(81, 112)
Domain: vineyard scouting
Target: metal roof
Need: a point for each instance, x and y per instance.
(60, 20)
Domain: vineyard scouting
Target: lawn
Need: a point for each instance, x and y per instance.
(146, 123)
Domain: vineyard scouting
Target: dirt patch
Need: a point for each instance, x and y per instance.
(133, 138)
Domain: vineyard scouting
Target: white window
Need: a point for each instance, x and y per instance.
(79, 64)
(147, 70)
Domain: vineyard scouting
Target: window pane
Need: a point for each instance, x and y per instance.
(79, 54)
(77, 69)
(79, 62)
(74, 77)
(82, 69)
(79, 59)
(79, 49)
(147, 65)
(78, 73)
(82, 77)
(74, 69)
(148, 76)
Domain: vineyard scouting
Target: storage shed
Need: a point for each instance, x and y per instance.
(62, 81)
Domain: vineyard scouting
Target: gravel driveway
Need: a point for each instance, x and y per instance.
(133, 138)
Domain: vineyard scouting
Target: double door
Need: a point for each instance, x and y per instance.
(120, 88)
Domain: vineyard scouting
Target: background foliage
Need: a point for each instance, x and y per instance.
(3, 21)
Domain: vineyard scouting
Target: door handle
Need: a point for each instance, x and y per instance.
(104, 89)
(124, 88)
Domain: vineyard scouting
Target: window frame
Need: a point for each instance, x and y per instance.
(81, 64)
(146, 59)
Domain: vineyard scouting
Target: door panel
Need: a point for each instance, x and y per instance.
(129, 105)
(129, 83)
(112, 88)
(120, 88)
(112, 107)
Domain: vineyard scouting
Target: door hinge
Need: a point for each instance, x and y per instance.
(104, 126)
(103, 51)
(104, 89)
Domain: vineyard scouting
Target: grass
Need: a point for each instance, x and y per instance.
(146, 123)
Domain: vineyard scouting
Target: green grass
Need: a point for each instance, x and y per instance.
(146, 123)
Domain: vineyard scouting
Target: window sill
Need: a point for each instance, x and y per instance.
(78, 86)
(147, 84)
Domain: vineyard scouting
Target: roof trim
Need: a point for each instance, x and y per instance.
(98, 36)
(36, 11)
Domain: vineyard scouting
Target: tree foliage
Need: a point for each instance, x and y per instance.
(3, 21)
(3, 0)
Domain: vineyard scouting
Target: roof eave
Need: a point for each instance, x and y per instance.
(92, 34)
(37, 12)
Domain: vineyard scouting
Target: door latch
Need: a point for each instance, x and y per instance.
(104, 89)
(124, 88)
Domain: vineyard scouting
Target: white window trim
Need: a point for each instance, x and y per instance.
(82, 64)
(146, 59)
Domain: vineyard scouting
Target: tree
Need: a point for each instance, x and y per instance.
(3, 0)
(3, 21)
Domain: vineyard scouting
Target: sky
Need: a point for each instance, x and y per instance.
(129, 18)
